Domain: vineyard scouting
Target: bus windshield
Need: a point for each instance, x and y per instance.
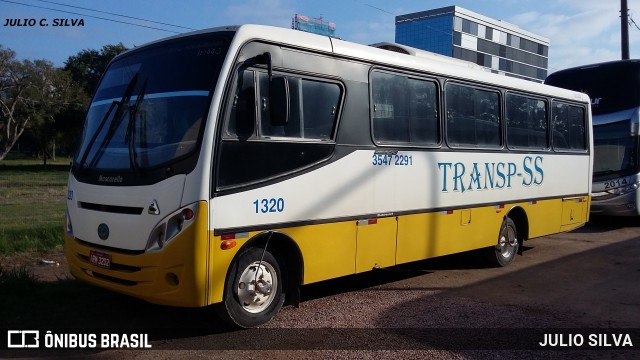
(616, 150)
(150, 107)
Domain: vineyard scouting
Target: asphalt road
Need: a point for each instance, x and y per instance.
(579, 288)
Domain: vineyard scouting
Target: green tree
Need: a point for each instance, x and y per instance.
(59, 96)
(87, 66)
(13, 83)
(32, 94)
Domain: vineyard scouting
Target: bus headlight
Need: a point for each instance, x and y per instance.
(170, 227)
(623, 189)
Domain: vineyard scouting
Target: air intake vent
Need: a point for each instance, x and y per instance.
(111, 208)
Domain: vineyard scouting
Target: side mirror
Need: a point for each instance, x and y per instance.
(279, 101)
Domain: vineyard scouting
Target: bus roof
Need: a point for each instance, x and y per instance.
(415, 60)
(627, 63)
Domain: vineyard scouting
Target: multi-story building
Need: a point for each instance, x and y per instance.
(497, 45)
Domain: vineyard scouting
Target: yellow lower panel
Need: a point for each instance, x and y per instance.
(337, 249)
(575, 212)
(219, 263)
(148, 276)
(328, 252)
(557, 215)
(376, 243)
(428, 235)
(423, 236)
(544, 217)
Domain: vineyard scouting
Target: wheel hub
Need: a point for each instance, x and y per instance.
(508, 243)
(255, 286)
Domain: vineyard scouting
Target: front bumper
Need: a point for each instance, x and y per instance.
(176, 275)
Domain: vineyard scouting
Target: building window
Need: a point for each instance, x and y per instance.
(503, 51)
(457, 38)
(481, 31)
(457, 23)
(543, 50)
(488, 47)
(489, 34)
(513, 41)
(502, 39)
(474, 28)
(466, 26)
(469, 27)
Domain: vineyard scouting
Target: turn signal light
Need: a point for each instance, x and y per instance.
(227, 244)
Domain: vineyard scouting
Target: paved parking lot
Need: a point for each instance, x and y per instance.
(579, 284)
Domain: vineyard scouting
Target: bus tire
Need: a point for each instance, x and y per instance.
(505, 251)
(253, 290)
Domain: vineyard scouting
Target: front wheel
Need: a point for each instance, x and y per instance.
(506, 249)
(253, 290)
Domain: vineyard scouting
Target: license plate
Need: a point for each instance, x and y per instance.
(100, 259)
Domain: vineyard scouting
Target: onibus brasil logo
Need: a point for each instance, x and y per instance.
(32, 339)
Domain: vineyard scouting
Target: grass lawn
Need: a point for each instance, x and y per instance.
(32, 203)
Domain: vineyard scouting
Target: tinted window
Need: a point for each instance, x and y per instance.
(143, 117)
(615, 149)
(243, 110)
(612, 87)
(473, 117)
(526, 122)
(313, 108)
(254, 149)
(404, 110)
(568, 127)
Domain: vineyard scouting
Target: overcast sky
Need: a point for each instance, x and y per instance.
(580, 31)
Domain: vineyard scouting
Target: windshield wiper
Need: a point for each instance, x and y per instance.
(113, 126)
(95, 134)
(130, 136)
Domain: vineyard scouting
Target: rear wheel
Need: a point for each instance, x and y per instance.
(506, 249)
(253, 290)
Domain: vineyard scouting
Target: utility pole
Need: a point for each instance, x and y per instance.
(624, 29)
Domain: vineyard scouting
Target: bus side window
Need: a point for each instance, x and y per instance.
(404, 110)
(242, 117)
(526, 122)
(568, 127)
(313, 109)
(319, 108)
(267, 129)
(473, 117)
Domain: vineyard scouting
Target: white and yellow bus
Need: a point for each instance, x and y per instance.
(230, 166)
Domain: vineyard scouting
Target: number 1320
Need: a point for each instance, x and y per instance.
(271, 205)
